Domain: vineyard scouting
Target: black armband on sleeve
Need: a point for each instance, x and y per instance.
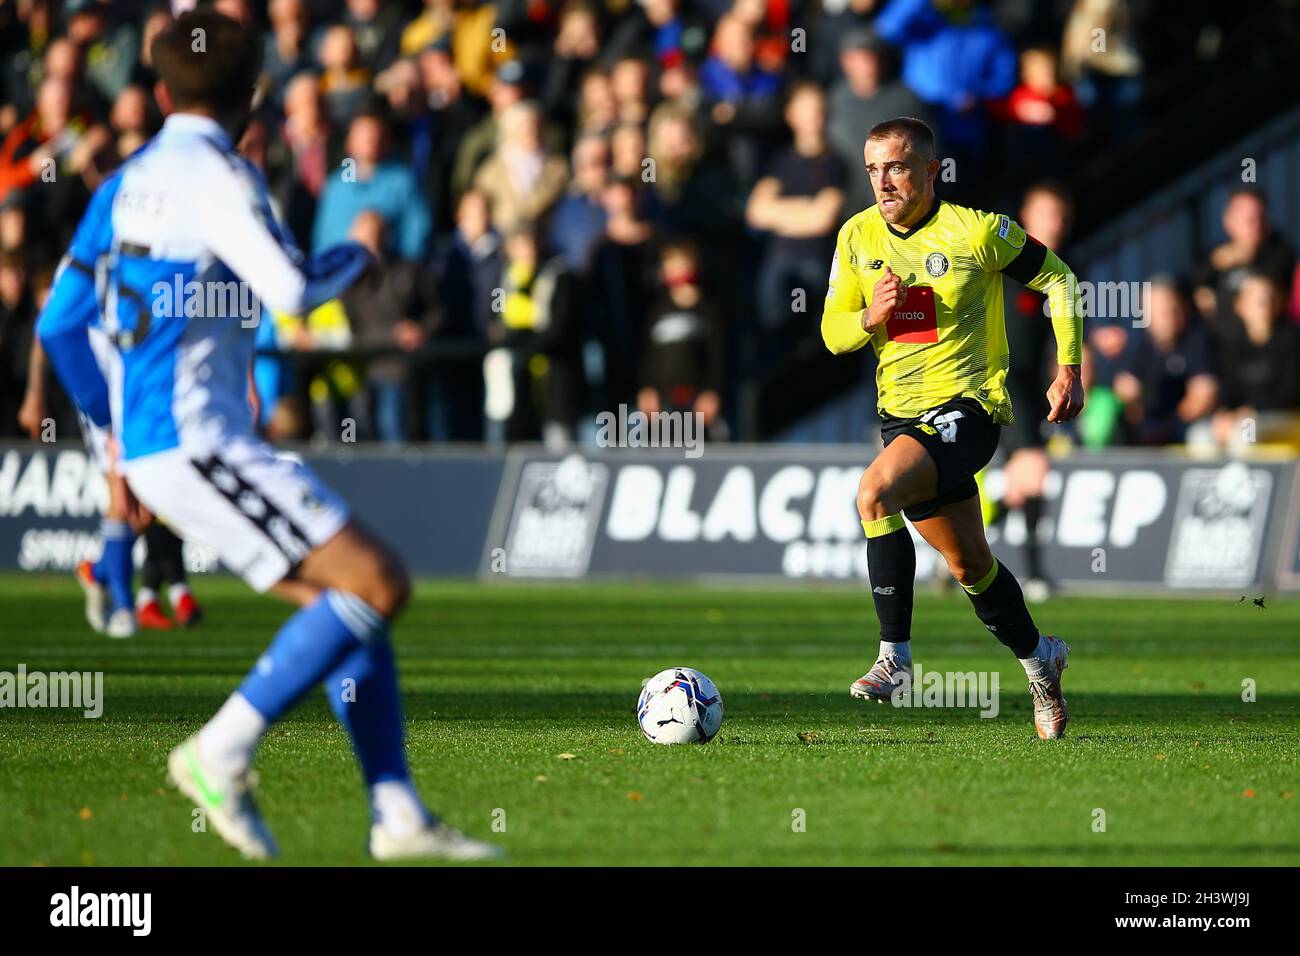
(1029, 263)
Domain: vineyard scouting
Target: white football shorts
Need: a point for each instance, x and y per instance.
(261, 510)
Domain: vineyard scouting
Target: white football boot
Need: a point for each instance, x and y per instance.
(121, 623)
(882, 680)
(1050, 712)
(228, 801)
(436, 839)
(96, 596)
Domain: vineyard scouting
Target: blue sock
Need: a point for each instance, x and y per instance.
(309, 646)
(114, 566)
(363, 694)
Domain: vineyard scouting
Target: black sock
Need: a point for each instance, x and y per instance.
(164, 561)
(891, 563)
(1000, 604)
(151, 576)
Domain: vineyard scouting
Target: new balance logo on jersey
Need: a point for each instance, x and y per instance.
(885, 591)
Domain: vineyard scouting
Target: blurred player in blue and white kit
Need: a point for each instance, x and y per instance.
(181, 250)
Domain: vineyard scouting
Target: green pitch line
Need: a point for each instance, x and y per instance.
(502, 682)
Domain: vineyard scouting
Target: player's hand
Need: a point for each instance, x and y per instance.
(1065, 396)
(886, 296)
(32, 413)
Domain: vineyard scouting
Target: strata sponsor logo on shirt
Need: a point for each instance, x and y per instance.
(915, 321)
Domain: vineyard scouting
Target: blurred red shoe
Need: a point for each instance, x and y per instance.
(150, 616)
(188, 612)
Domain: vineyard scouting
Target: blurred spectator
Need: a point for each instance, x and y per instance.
(1106, 75)
(41, 404)
(344, 83)
(619, 285)
(469, 266)
(685, 343)
(479, 50)
(370, 179)
(25, 39)
(1041, 99)
(1042, 114)
(17, 320)
(1252, 246)
(577, 43)
(438, 131)
(695, 196)
(1167, 382)
(13, 222)
(300, 159)
(377, 28)
(156, 21)
(865, 95)
(286, 53)
(52, 139)
(956, 59)
(798, 203)
(336, 392)
(467, 269)
(740, 95)
(579, 219)
(480, 141)
(132, 122)
(521, 179)
(433, 25)
(597, 108)
(1046, 213)
(1260, 357)
(109, 47)
(393, 305)
(769, 23)
(628, 150)
(674, 34)
(834, 22)
(534, 377)
(629, 82)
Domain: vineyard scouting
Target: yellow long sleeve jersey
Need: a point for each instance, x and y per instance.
(948, 338)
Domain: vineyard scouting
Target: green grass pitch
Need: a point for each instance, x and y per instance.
(519, 713)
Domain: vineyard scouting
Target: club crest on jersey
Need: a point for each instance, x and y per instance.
(936, 263)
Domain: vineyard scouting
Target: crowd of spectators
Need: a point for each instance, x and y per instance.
(1213, 359)
(582, 204)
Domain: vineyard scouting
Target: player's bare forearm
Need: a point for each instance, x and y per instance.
(1065, 395)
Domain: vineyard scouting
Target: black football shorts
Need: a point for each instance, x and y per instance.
(960, 437)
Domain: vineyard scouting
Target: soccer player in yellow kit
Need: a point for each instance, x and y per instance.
(920, 279)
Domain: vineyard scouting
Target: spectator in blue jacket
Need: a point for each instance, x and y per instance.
(956, 59)
(368, 180)
(578, 222)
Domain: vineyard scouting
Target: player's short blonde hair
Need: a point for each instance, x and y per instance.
(916, 133)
